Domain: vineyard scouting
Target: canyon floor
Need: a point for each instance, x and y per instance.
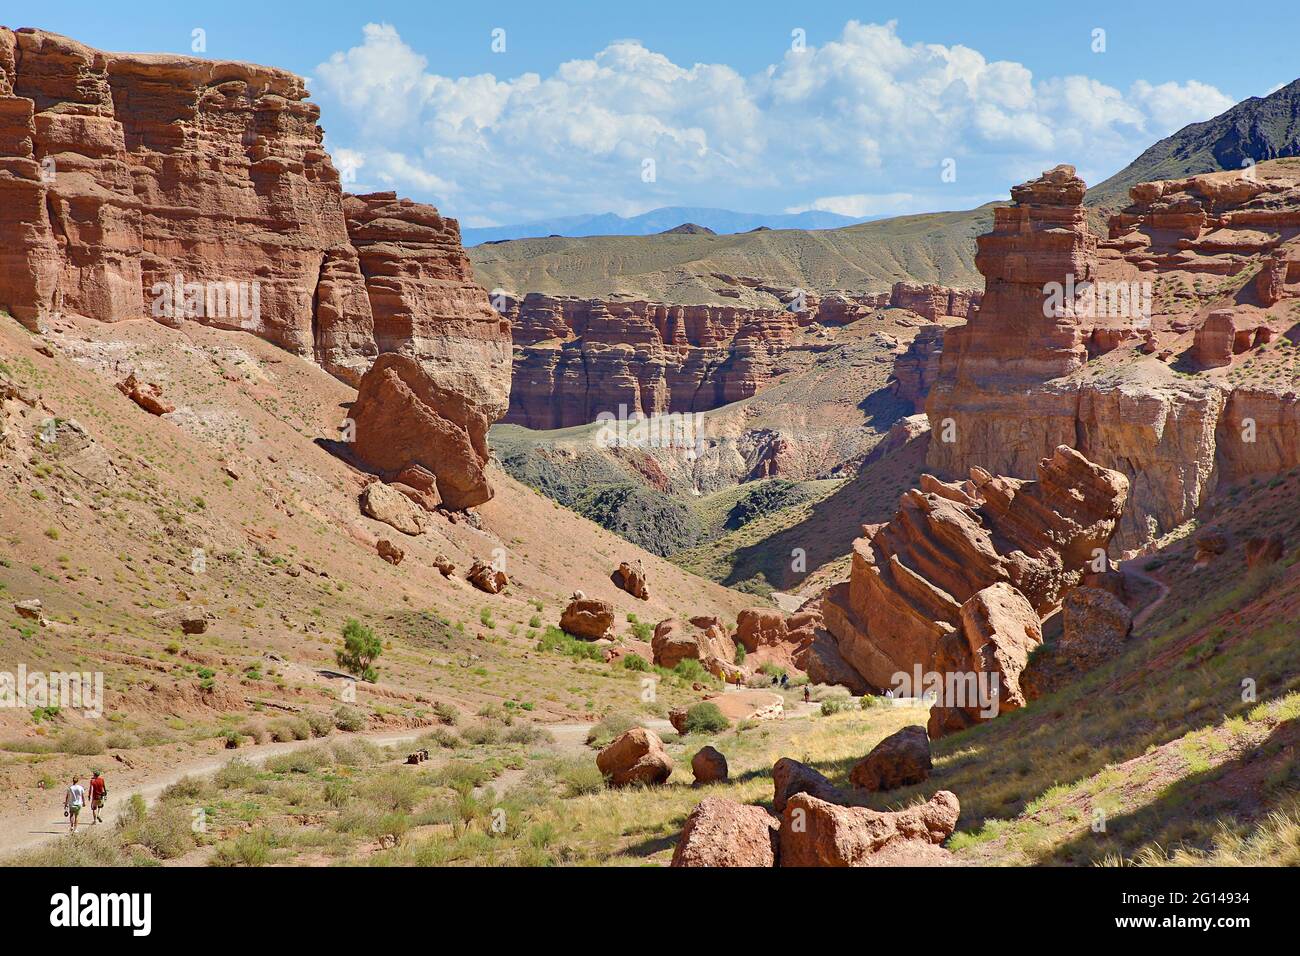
(105, 542)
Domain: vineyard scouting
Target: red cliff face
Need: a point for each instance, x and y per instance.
(576, 358)
(180, 189)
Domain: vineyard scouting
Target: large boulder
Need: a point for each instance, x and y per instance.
(145, 394)
(487, 578)
(636, 756)
(1095, 626)
(900, 760)
(1001, 630)
(386, 504)
(790, 777)
(589, 618)
(709, 766)
(630, 576)
(405, 417)
(701, 638)
(815, 832)
(724, 833)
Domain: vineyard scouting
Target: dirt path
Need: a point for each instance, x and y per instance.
(1145, 614)
(22, 831)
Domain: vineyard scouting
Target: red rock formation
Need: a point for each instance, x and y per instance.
(900, 760)
(179, 188)
(636, 756)
(723, 833)
(701, 638)
(424, 301)
(147, 395)
(817, 833)
(917, 367)
(1016, 381)
(487, 578)
(907, 604)
(709, 766)
(404, 418)
(576, 358)
(588, 618)
(630, 577)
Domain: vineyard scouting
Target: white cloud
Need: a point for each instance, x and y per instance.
(859, 204)
(1172, 106)
(859, 121)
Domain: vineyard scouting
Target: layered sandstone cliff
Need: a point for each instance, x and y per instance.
(577, 358)
(1102, 345)
(138, 186)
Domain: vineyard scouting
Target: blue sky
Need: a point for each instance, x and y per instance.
(875, 108)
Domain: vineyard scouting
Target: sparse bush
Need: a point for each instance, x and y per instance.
(480, 734)
(321, 724)
(248, 849)
(84, 743)
(705, 718)
(349, 718)
(635, 662)
(235, 775)
(439, 737)
(528, 734)
(579, 777)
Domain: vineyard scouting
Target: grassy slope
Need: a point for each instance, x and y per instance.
(289, 558)
(936, 247)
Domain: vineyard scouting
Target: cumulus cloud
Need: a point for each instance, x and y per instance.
(865, 123)
(859, 204)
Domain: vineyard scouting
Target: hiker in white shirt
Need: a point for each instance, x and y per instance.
(73, 801)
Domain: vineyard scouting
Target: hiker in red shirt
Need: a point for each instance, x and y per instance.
(98, 791)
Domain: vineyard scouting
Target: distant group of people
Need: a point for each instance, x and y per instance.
(95, 792)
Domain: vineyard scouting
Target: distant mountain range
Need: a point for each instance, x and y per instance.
(721, 221)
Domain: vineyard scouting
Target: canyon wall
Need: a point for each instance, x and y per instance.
(137, 186)
(1057, 356)
(576, 358)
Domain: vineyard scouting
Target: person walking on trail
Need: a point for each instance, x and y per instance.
(98, 791)
(807, 695)
(73, 801)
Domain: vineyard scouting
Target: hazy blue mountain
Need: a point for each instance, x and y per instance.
(721, 221)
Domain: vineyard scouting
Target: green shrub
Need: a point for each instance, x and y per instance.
(360, 650)
(705, 718)
(321, 724)
(554, 639)
(248, 849)
(688, 668)
(84, 743)
(635, 662)
(349, 718)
